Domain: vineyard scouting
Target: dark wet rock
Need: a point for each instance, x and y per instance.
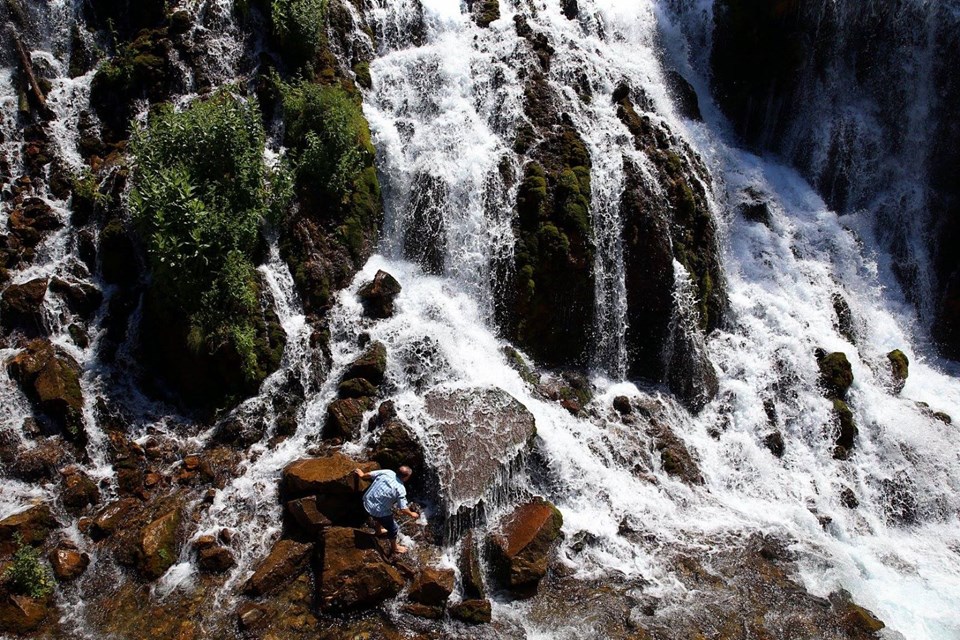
(844, 323)
(423, 610)
(370, 366)
(570, 9)
(622, 405)
(674, 455)
(500, 427)
(899, 500)
(396, 445)
(379, 294)
(82, 298)
(774, 442)
(471, 574)
(252, 616)
(356, 388)
(286, 560)
(846, 429)
(848, 498)
(855, 620)
(21, 307)
(31, 526)
(685, 96)
(474, 611)
(78, 490)
(425, 236)
(755, 212)
(521, 547)
(67, 563)
(836, 374)
(41, 462)
(353, 573)
(306, 515)
(345, 417)
(432, 587)
(484, 11)
(50, 378)
(899, 369)
(78, 335)
(213, 557)
(21, 614)
(112, 517)
(159, 545)
(519, 364)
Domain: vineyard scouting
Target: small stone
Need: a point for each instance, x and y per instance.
(378, 296)
(622, 404)
(215, 559)
(252, 616)
(774, 442)
(112, 517)
(68, 564)
(899, 369)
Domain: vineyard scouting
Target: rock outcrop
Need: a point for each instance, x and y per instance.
(521, 547)
(379, 294)
(50, 378)
(335, 490)
(352, 572)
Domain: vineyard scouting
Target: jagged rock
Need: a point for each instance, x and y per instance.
(774, 442)
(846, 429)
(685, 96)
(212, 557)
(756, 211)
(354, 574)
(68, 564)
(520, 549)
(40, 462)
(899, 369)
(396, 445)
(432, 587)
(331, 481)
(286, 560)
(474, 611)
(83, 298)
(308, 517)
(50, 378)
(854, 619)
(423, 610)
(674, 455)
(570, 9)
(379, 294)
(356, 388)
(500, 427)
(78, 490)
(345, 417)
(425, 236)
(159, 545)
(848, 498)
(370, 366)
(844, 323)
(485, 11)
(622, 405)
(112, 517)
(31, 526)
(836, 374)
(471, 574)
(21, 614)
(21, 307)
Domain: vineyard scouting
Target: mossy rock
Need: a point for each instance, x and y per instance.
(836, 374)
(846, 427)
(159, 545)
(899, 368)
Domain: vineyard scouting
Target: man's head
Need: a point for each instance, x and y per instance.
(404, 472)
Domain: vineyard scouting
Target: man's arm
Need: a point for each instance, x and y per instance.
(369, 475)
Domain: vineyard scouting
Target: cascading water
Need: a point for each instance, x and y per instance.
(445, 104)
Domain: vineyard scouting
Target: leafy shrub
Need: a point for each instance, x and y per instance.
(201, 192)
(298, 26)
(27, 575)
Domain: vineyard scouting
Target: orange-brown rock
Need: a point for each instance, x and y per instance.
(432, 587)
(286, 560)
(159, 545)
(68, 564)
(31, 526)
(112, 517)
(337, 491)
(21, 614)
(474, 611)
(520, 550)
(50, 378)
(354, 574)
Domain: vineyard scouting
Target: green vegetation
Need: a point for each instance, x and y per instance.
(27, 575)
(298, 26)
(201, 192)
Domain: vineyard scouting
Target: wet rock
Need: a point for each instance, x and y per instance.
(844, 322)
(570, 9)
(674, 455)
(345, 417)
(899, 369)
(353, 572)
(846, 429)
(774, 442)
(500, 427)
(112, 517)
(836, 374)
(286, 560)
(78, 490)
(622, 405)
(82, 298)
(520, 550)
(68, 564)
(471, 574)
(396, 446)
(370, 366)
(306, 514)
(475, 611)
(485, 11)
(425, 236)
(212, 557)
(21, 307)
(40, 462)
(855, 620)
(50, 378)
(21, 614)
(848, 498)
(251, 616)
(423, 610)
(432, 587)
(331, 481)
(356, 388)
(379, 294)
(31, 526)
(159, 545)
(685, 96)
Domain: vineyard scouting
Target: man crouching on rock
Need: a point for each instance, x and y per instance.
(386, 492)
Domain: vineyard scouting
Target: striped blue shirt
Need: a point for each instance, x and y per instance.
(385, 491)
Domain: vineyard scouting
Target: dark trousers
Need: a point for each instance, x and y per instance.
(388, 523)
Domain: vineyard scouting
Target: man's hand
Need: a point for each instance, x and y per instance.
(410, 512)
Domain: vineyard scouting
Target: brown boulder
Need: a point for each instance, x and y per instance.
(286, 560)
(214, 558)
(31, 526)
(520, 550)
(353, 572)
(82, 298)
(67, 563)
(396, 445)
(21, 307)
(674, 455)
(306, 514)
(331, 474)
(371, 365)
(159, 545)
(378, 295)
(78, 491)
(432, 587)
(345, 417)
(112, 517)
(21, 614)
(50, 378)
(474, 611)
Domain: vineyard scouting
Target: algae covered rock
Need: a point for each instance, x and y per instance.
(836, 374)
(520, 549)
(21, 307)
(473, 611)
(50, 378)
(899, 368)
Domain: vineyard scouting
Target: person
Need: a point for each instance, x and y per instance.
(379, 500)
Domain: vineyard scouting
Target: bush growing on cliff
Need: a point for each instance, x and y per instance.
(298, 26)
(201, 192)
(26, 575)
